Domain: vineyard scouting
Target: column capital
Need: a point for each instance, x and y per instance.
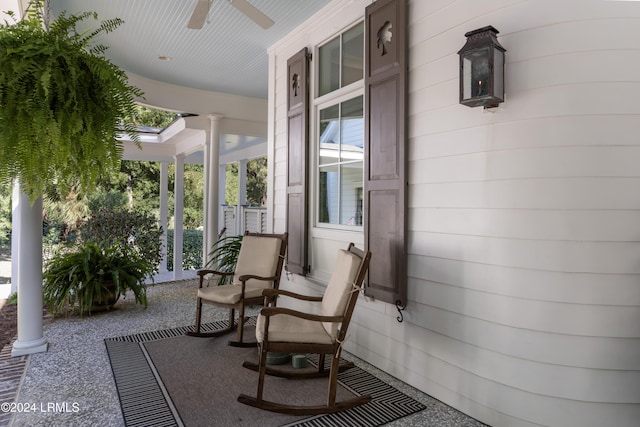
(215, 117)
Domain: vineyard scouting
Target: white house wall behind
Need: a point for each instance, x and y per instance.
(524, 222)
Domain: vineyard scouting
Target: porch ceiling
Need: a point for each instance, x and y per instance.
(228, 55)
(221, 68)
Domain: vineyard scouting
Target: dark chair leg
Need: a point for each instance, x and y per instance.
(198, 314)
(240, 338)
(198, 333)
(333, 378)
(241, 322)
(321, 359)
(261, 372)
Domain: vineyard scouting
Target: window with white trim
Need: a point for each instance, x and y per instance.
(339, 140)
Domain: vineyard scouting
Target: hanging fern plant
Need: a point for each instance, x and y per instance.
(61, 103)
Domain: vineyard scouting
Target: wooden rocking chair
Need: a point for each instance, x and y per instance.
(258, 267)
(290, 331)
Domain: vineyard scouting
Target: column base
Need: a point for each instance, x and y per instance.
(21, 348)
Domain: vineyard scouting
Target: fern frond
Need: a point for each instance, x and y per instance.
(61, 102)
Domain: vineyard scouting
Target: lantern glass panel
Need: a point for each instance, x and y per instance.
(476, 73)
(498, 72)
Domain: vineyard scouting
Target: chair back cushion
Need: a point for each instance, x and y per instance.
(336, 296)
(258, 256)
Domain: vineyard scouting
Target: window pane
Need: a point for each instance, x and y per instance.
(351, 193)
(329, 67)
(341, 163)
(329, 135)
(352, 55)
(352, 130)
(328, 194)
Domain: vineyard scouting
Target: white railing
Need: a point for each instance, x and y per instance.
(250, 219)
(229, 220)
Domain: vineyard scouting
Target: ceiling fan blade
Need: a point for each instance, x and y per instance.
(199, 15)
(254, 14)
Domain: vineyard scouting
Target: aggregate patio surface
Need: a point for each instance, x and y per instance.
(72, 385)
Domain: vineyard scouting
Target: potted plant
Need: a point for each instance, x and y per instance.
(94, 276)
(62, 103)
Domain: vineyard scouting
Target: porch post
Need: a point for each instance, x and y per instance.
(222, 191)
(206, 243)
(30, 331)
(164, 202)
(214, 174)
(178, 217)
(242, 193)
(15, 236)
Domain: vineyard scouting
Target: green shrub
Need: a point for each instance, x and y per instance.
(191, 250)
(107, 200)
(123, 227)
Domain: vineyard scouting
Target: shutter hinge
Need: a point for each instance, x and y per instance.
(309, 56)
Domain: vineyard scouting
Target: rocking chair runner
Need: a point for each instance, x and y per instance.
(290, 331)
(258, 267)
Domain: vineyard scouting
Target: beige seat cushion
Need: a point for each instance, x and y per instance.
(286, 328)
(229, 294)
(339, 288)
(258, 256)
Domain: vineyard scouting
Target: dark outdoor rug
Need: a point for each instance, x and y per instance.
(165, 378)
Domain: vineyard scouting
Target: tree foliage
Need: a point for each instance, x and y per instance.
(62, 103)
(145, 116)
(257, 182)
(5, 215)
(133, 231)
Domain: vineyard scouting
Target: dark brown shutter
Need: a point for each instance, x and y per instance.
(297, 159)
(385, 154)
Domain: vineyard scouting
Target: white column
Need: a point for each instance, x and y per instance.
(164, 213)
(213, 203)
(206, 243)
(15, 236)
(242, 193)
(30, 332)
(222, 191)
(178, 217)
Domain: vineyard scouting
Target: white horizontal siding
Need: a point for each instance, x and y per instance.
(582, 225)
(543, 193)
(400, 349)
(560, 256)
(552, 380)
(524, 238)
(552, 286)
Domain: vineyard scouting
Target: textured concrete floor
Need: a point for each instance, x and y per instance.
(72, 384)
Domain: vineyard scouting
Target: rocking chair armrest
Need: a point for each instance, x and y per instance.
(246, 277)
(281, 292)
(272, 311)
(202, 273)
(219, 273)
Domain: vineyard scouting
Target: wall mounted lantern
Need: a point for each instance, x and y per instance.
(482, 69)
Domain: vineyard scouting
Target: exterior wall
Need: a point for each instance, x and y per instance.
(524, 253)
